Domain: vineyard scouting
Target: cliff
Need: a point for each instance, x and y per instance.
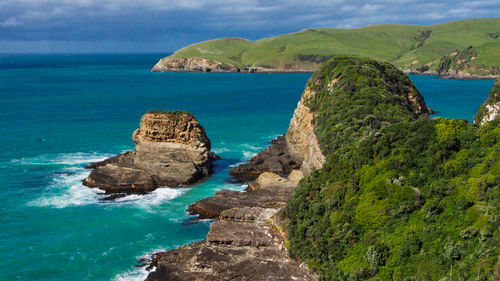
(171, 149)
(199, 64)
(395, 198)
(490, 109)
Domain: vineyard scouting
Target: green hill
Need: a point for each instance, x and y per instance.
(399, 197)
(409, 47)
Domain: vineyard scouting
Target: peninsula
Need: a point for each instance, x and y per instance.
(466, 49)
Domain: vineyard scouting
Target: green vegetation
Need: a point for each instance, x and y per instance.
(407, 46)
(399, 197)
(169, 112)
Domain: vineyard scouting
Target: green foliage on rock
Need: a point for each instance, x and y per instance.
(400, 197)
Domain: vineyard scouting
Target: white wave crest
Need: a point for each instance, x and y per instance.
(65, 188)
(247, 155)
(154, 198)
(140, 273)
(66, 159)
(220, 150)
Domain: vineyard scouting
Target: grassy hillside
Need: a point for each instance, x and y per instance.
(407, 46)
(399, 197)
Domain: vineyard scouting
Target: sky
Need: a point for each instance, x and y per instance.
(143, 26)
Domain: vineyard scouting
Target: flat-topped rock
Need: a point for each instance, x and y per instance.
(171, 149)
(268, 191)
(242, 245)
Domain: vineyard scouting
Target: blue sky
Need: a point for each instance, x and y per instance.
(164, 25)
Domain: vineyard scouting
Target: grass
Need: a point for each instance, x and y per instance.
(406, 46)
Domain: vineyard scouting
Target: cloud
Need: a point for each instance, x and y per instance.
(10, 22)
(172, 23)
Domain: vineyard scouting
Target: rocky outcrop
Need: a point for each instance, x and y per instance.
(171, 149)
(490, 109)
(301, 140)
(276, 158)
(268, 191)
(245, 243)
(241, 245)
(170, 64)
(196, 64)
(298, 149)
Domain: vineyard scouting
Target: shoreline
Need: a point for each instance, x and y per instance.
(279, 71)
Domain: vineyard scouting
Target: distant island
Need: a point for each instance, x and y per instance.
(466, 49)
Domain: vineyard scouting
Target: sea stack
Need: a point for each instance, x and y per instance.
(171, 149)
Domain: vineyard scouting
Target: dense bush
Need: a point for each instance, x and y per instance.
(400, 197)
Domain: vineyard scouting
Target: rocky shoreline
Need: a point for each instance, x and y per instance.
(170, 64)
(207, 65)
(248, 241)
(453, 75)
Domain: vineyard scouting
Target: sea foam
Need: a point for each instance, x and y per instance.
(65, 188)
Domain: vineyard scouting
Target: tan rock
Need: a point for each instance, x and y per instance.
(301, 139)
(171, 149)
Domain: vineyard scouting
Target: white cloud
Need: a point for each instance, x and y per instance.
(11, 22)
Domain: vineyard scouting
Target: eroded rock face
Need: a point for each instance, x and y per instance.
(276, 158)
(241, 245)
(301, 140)
(268, 191)
(169, 64)
(490, 109)
(171, 149)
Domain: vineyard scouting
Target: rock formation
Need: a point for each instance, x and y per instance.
(191, 65)
(197, 64)
(246, 243)
(171, 149)
(268, 191)
(298, 148)
(490, 109)
(276, 159)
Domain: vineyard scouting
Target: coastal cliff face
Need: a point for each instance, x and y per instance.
(191, 65)
(198, 64)
(386, 203)
(490, 109)
(171, 149)
(301, 138)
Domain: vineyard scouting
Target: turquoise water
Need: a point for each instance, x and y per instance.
(59, 113)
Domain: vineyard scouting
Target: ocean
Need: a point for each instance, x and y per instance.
(59, 113)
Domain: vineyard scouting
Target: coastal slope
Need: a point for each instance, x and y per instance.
(400, 196)
(420, 49)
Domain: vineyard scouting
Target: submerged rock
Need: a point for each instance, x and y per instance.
(171, 149)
